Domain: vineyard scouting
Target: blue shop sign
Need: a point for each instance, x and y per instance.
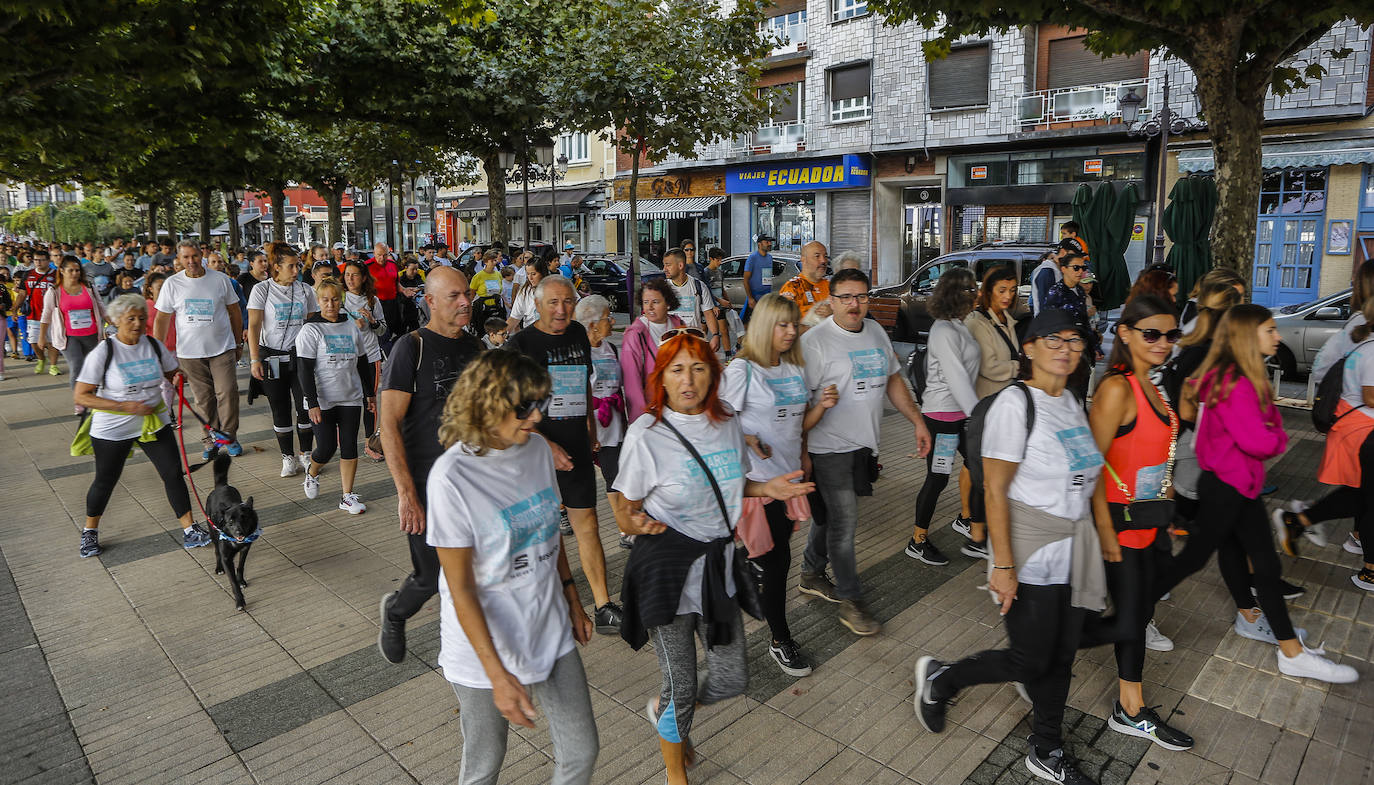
(847, 171)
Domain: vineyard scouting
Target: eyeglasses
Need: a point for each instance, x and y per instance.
(525, 409)
(1075, 344)
(851, 298)
(1077, 267)
(1151, 335)
(695, 332)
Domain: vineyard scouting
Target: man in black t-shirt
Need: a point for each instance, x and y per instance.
(416, 381)
(560, 344)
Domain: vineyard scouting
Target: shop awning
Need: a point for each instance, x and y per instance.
(1282, 155)
(568, 197)
(689, 207)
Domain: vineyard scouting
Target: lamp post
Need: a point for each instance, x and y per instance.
(560, 168)
(235, 204)
(1164, 125)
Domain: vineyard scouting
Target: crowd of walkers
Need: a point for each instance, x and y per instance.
(495, 394)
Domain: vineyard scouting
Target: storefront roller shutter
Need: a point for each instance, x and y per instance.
(1072, 65)
(849, 223)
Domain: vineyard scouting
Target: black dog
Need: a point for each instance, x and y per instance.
(237, 522)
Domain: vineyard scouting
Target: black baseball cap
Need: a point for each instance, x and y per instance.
(1051, 321)
(766, 238)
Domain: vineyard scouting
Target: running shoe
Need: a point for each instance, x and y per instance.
(1288, 529)
(608, 619)
(304, 460)
(1310, 664)
(391, 639)
(976, 550)
(856, 617)
(90, 543)
(925, 551)
(349, 502)
(1364, 579)
(53, 370)
(208, 453)
(564, 525)
(1055, 768)
(235, 449)
(929, 710)
(788, 655)
(1268, 489)
(288, 466)
(1291, 591)
(962, 525)
(1352, 545)
(1316, 533)
(40, 367)
(195, 537)
(2, 377)
(1147, 725)
(1156, 640)
(1260, 630)
(1021, 691)
(311, 485)
(817, 584)
(627, 541)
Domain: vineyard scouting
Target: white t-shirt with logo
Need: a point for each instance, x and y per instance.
(858, 364)
(353, 305)
(134, 375)
(504, 506)
(202, 318)
(657, 468)
(335, 347)
(693, 298)
(771, 404)
(605, 383)
(284, 309)
(1359, 374)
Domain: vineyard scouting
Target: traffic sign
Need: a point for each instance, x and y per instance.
(412, 214)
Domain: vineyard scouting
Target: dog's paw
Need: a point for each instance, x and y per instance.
(219, 570)
(238, 606)
(243, 583)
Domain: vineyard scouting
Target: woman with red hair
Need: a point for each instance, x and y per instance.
(682, 472)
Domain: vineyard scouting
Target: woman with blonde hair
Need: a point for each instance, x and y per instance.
(765, 387)
(1217, 275)
(509, 611)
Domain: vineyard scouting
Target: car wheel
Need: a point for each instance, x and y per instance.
(1287, 363)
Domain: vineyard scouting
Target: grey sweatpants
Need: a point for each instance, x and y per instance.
(78, 347)
(562, 698)
(727, 673)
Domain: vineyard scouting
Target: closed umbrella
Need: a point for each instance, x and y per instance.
(1119, 225)
(1092, 211)
(1188, 223)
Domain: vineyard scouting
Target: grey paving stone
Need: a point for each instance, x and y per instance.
(271, 711)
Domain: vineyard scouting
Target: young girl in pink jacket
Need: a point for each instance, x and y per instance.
(1238, 429)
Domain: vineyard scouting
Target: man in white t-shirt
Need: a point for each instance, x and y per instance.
(853, 355)
(696, 307)
(209, 323)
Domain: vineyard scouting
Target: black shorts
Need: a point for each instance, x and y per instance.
(609, 460)
(578, 487)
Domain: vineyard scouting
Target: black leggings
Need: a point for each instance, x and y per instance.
(337, 430)
(1234, 527)
(283, 395)
(935, 482)
(775, 565)
(1131, 582)
(109, 465)
(1347, 502)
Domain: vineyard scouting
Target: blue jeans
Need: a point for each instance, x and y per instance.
(839, 481)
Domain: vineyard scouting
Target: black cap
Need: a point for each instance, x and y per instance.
(1051, 321)
(766, 238)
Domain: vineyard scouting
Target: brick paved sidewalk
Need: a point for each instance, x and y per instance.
(135, 668)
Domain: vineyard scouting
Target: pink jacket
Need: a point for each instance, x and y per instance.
(1235, 436)
(637, 353)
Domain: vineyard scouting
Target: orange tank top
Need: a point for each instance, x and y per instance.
(1139, 457)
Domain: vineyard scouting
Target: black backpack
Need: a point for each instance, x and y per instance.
(973, 436)
(916, 371)
(1329, 394)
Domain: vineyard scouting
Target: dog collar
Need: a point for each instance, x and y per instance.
(245, 540)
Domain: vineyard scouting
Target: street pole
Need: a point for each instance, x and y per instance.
(525, 187)
(1165, 120)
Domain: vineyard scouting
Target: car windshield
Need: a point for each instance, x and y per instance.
(1339, 301)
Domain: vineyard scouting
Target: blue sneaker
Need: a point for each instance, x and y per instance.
(195, 537)
(235, 449)
(207, 453)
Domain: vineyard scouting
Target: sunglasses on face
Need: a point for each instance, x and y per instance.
(695, 332)
(1078, 267)
(1151, 335)
(525, 409)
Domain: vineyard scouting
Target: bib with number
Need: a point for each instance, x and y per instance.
(81, 318)
(569, 391)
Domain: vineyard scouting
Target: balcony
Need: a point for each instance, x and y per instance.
(790, 29)
(787, 137)
(1079, 105)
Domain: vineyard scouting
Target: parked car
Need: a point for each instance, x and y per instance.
(784, 267)
(1304, 328)
(605, 275)
(901, 309)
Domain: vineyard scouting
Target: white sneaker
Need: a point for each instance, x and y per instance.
(1156, 640)
(962, 525)
(1312, 665)
(311, 485)
(1316, 533)
(1352, 545)
(288, 466)
(304, 460)
(1259, 629)
(351, 504)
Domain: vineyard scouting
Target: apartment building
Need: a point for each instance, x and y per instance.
(875, 149)
(21, 196)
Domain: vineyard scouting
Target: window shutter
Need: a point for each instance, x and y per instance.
(849, 223)
(784, 101)
(960, 79)
(851, 81)
(1071, 65)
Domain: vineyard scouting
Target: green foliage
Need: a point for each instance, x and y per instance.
(76, 224)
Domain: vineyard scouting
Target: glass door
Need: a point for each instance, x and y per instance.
(1288, 239)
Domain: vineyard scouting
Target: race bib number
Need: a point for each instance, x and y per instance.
(491, 287)
(569, 391)
(811, 297)
(1079, 448)
(766, 275)
(197, 311)
(946, 445)
(687, 310)
(607, 372)
(1149, 482)
(725, 466)
(868, 370)
(81, 318)
(137, 372)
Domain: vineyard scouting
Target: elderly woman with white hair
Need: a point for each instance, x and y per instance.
(849, 260)
(593, 312)
(121, 385)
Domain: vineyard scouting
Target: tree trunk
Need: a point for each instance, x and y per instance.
(496, 196)
(205, 195)
(171, 208)
(152, 222)
(231, 208)
(1233, 124)
(277, 194)
(333, 200)
(632, 236)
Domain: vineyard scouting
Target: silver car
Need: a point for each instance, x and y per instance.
(784, 268)
(1304, 328)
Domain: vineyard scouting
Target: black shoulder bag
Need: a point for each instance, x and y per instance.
(746, 590)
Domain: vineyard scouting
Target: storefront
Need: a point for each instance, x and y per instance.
(672, 208)
(797, 201)
(574, 212)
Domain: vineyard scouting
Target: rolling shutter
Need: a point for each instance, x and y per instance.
(960, 79)
(1072, 65)
(851, 81)
(849, 223)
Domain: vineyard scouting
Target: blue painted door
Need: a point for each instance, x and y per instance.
(1292, 214)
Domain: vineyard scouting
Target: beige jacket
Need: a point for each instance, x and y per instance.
(999, 366)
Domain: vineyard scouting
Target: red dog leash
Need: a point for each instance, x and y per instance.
(181, 441)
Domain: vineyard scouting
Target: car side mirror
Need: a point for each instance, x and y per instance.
(1328, 313)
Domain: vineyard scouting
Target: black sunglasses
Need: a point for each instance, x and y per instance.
(1151, 335)
(525, 409)
(1079, 267)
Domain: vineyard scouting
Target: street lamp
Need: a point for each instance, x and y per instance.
(1164, 125)
(560, 168)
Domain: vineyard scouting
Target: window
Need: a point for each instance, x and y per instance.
(576, 146)
(849, 86)
(959, 79)
(63, 196)
(790, 28)
(788, 102)
(36, 195)
(1072, 65)
(847, 9)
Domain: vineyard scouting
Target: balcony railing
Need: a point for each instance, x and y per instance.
(771, 138)
(791, 29)
(1081, 103)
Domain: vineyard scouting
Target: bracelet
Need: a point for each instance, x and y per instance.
(1000, 567)
(567, 582)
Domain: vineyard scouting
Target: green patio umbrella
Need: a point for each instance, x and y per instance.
(1093, 212)
(1188, 223)
(1119, 224)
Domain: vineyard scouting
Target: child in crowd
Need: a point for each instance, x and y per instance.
(497, 332)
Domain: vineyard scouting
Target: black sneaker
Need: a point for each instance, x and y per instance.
(1288, 529)
(962, 525)
(564, 525)
(788, 655)
(391, 641)
(90, 543)
(925, 551)
(1147, 725)
(608, 618)
(1291, 591)
(627, 541)
(817, 584)
(1055, 768)
(929, 710)
(1364, 579)
(976, 550)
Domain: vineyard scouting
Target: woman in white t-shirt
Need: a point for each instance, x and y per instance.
(523, 312)
(1046, 567)
(682, 470)
(277, 309)
(608, 399)
(509, 609)
(121, 383)
(361, 305)
(337, 380)
(765, 386)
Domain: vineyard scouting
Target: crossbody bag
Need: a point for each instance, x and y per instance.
(1155, 513)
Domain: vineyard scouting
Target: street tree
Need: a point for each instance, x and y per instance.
(1238, 51)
